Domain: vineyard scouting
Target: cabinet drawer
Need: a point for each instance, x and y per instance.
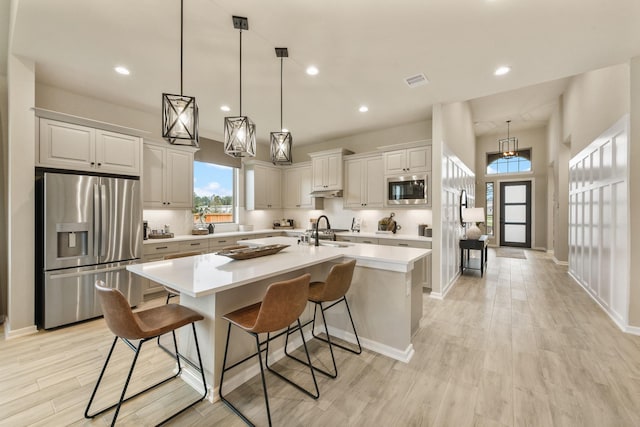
(367, 240)
(200, 245)
(347, 239)
(406, 243)
(161, 248)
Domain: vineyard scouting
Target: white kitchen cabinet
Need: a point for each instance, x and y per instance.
(167, 181)
(364, 183)
(70, 146)
(262, 186)
(326, 169)
(415, 159)
(296, 188)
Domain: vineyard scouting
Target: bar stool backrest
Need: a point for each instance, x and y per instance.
(283, 303)
(117, 313)
(338, 281)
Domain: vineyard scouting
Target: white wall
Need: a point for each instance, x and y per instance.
(3, 195)
(593, 102)
(558, 199)
(453, 139)
(634, 193)
(368, 141)
(21, 197)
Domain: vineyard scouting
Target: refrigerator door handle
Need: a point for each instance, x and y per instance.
(96, 220)
(103, 220)
(77, 273)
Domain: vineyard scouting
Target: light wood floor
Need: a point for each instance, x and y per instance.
(522, 346)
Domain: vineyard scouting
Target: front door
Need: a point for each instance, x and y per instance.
(515, 214)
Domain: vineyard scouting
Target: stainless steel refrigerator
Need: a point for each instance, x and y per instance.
(87, 228)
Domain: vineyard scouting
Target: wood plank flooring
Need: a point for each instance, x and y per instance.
(523, 346)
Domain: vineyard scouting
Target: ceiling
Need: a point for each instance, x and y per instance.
(364, 50)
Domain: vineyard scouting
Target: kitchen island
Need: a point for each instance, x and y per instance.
(385, 296)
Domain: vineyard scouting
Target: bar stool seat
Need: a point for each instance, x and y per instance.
(282, 305)
(333, 290)
(143, 326)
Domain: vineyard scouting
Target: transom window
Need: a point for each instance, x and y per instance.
(496, 164)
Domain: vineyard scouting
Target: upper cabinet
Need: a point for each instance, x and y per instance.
(167, 182)
(65, 145)
(409, 160)
(262, 186)
(326, 169)
(296, 188)
(364, 183)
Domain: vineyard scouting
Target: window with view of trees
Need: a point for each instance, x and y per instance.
(489, 204)
(496, 164)
(213, 193)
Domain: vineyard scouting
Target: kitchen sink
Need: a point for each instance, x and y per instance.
(335, 244)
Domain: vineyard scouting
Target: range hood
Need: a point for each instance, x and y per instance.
(327, 194)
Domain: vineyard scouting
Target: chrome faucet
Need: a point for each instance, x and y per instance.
(317, 243)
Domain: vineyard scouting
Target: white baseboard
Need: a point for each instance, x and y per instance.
(620, 323)
(436, 295)
(10, 334)
(558, 262)
(550, 251)
(394, 353)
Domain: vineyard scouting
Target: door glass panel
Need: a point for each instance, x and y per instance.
(517, 213)
(515, 194)
(515, 233)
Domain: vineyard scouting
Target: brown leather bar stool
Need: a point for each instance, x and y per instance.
(144, 326)
(334, 288)
(282, 305)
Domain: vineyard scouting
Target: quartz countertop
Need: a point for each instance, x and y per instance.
(209, 273)
(371, 235)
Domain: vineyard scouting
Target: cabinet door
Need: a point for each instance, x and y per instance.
(395, 162)
(274, 192)
(419, 159)
(179, 179)
(291, 188)
(333, 173)
(354, 186)
(117, 153)
(319, 167)
(64, 145)
(374, 183)
(153, 177)
(304, 189)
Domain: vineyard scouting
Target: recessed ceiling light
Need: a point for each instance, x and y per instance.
(225, 108)
(502, 70)
(363, 109)
(312, 70)
(122, 70)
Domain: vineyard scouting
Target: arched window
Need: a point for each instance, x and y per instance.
(496, 164)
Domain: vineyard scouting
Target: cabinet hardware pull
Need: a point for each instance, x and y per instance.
(93, 163)
(162, 247)
(403, 244)
(195, 244)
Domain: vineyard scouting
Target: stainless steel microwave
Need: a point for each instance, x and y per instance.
(407, 190)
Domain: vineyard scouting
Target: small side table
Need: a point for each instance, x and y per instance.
(478, 245)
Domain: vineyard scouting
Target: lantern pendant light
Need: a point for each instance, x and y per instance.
(282, 140)
(508, 146)
(179, 112)
(240, 131)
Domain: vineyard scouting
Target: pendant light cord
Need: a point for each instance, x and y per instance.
(181, 40)
(240, 72)
(281, 62)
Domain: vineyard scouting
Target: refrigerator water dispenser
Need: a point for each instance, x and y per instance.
(73, 239)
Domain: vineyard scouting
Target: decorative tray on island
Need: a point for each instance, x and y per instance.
(247, 252)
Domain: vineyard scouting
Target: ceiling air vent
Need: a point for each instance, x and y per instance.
(417, 80)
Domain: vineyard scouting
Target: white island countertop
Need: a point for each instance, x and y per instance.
(206, 274)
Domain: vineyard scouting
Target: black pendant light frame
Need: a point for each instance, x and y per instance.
(240, 131)
(508, 146)
(281, 141)
(180, 112)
